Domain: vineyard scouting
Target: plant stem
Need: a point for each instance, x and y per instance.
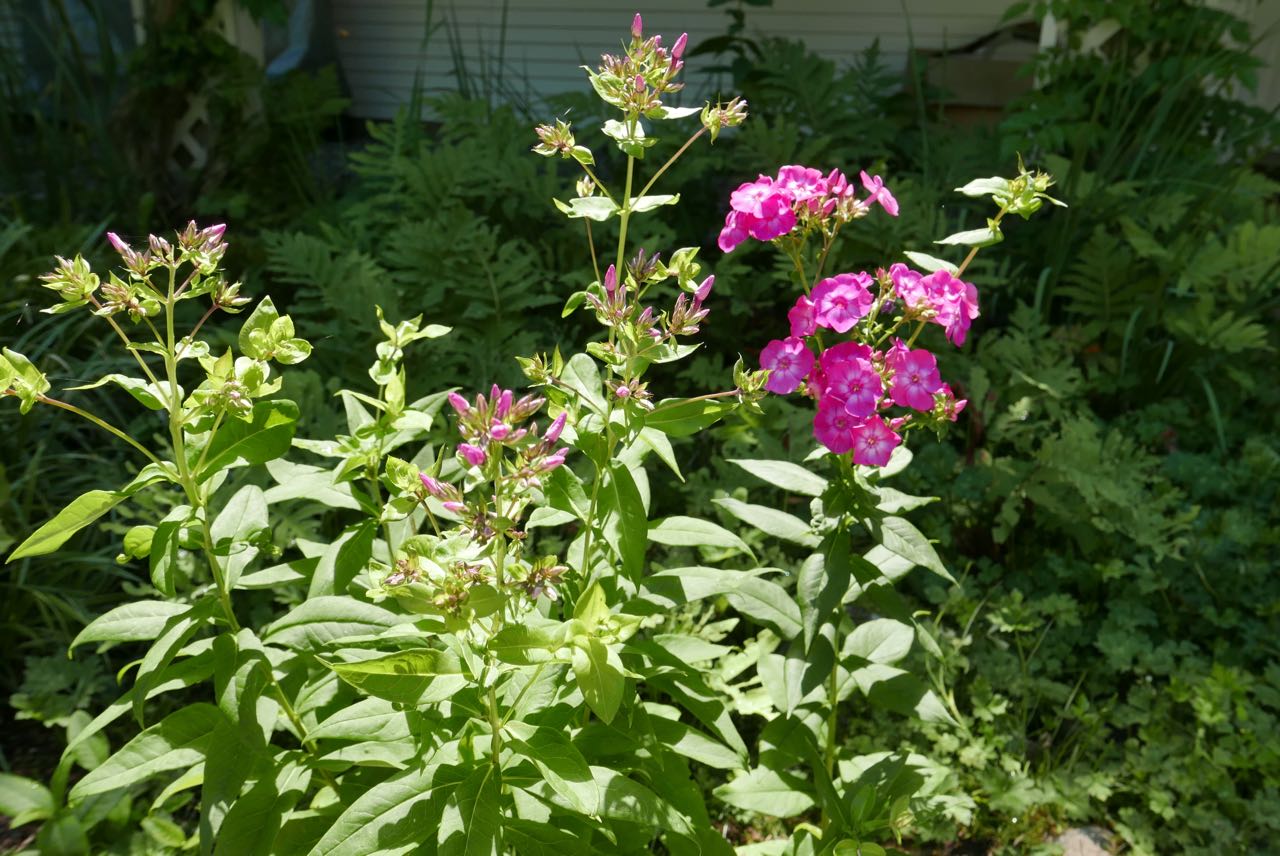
(598, 183)
(973, 251)
(128, 343)
(595, 265)
(104, 425)
(623, 216)
(670, 161)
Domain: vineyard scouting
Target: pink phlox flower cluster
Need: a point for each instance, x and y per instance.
(789, 361)
(939, 297)
(771, 207)
(496, 421)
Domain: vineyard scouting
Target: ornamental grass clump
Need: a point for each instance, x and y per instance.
(455, 627)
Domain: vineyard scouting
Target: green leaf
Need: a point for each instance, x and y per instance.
(28, 383)
(770, 521)
(131, 622)
(165, 548)
(974, 237)
(766, 792)
(902, 538)
(782, 677)
(692, 743)
(600, 676)
(472, 824)
(624, 799)
(768, 603)
(529, 643)
(785, 475)
(648, 203)
(881, 640)
(627, 526)
(665, 112)
(673, 587)
(822, 583)
(321, 620)
(176, 742)
(561, 764)
(64, 835)
(172, 638)
(253, 822)
(985, 187)
(897, 690)
(367, 719)
(303, 481)
(929, 263)
(24, 800)
(582, 375)
(692, 532)
(400, 677)
(146, 394)
(243, 518)
(265, 437)
(392, 813)
(591, 207)
(82, 511)
(678, 417)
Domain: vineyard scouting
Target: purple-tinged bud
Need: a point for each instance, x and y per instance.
(454, 506)
(159, 246)
(213, 234)
(647, 315)
(459, 404)
(637, 27)
(639, 83)
(677, 50)
(704, 290)
(474, 455)
(494, 392)
(611, 280)
(504, 402)
(433, 487)
(623, 392)
(657, 41)
(499, 430)
(550, 462)
(554, 429)
(120, 246)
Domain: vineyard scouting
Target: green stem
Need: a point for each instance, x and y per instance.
(624, 215)
(670, 161)
(598, 183)
(595, 265)
(128, 343)
(104, 425)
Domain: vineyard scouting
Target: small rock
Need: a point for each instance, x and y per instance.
(1084, 841)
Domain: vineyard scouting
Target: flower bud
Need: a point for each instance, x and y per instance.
(639, 83)
(120, 246)
(474, 455)
(454, 506)
(637, 27)
(434, 487)
(704, 290)
(459, 404)
(611, 280)
(504, 402)
(499, 430)
(677, 50)
(554, 429)
(623, 392)
(552, 461)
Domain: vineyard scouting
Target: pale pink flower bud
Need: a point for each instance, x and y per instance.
(611, 280)
(677, 50)
(499, 430)
(459, 403)
(454, 506)
(637, 27)
(504, 402)
(554, 429)
(623, 392)
(120, 246)
(474, 455)
(639, 83)
(433, 487)
(550, 462)
(704, 290)
(213, 234)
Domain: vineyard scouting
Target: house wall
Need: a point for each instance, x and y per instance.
(381, 42)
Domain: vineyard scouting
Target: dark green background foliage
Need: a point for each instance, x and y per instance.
(1110, 495)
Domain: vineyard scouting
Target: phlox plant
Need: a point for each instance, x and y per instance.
(480, 651)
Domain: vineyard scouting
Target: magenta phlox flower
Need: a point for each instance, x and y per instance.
(776, 220)
(735, 231)
(879, 193)
(854, 382)
(873, 442)
(758, 197)
(915, 378)
(803, 184)
(954, 301)
(839, 301)
(833, 426)
(789, 363)
(910, 288)
(473, 455)
(844, 351)
(801, 318)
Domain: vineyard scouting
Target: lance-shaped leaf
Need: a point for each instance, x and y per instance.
(767, 792)
(692, 532)
(562, 766)
(400, 677)
(600, 676)
(472, 820)
(264, 438)
(321, 620)
(785, 475)
(139, 621)
(149, 395)
(82, 511)
(770, 521)
(176, 742)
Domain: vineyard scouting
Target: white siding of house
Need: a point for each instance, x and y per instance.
(381, 41)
